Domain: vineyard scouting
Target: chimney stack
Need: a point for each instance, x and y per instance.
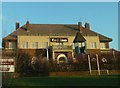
(27, 25)
(80, 26)
(17, 25)
(87, 26)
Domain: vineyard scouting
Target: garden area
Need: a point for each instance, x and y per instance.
(25, 82)
(42, 73)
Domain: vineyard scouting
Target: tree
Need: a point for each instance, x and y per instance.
(22, 63)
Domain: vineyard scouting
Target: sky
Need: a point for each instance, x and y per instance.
(102, 16)
(60, 0)
(119, 26)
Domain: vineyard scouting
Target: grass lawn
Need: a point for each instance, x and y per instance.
(110, 80)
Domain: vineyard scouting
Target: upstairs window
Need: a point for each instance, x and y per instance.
(102, 45)
(93, 45)
(11, 45)
(35, 45)
(25, 45)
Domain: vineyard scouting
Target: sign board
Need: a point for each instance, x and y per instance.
(59, 39)
(7, 65)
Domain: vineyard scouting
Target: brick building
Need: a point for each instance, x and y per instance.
(55, 41)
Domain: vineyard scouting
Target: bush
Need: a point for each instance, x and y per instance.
(22, 63)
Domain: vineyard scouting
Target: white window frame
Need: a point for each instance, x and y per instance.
(93, 45)
(35, 45)
(102, 46)
(25, 45)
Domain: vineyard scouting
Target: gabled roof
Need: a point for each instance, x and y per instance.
(54, 29)
(13, 35)
(104, 38)
(79, 38)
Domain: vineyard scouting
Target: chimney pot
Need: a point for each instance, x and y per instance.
(17, 25)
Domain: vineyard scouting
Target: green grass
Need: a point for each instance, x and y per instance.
(63, 81)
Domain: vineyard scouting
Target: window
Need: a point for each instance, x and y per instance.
(93, 45)
(35, 45)
(25, 45)
(11, 45)
(81, 44)
(44, 44)
(102, 45)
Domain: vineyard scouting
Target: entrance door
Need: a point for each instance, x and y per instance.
(62, 59)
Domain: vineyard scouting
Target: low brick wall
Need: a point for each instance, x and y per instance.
(77, 73)
(114, 72)
(84, 73)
